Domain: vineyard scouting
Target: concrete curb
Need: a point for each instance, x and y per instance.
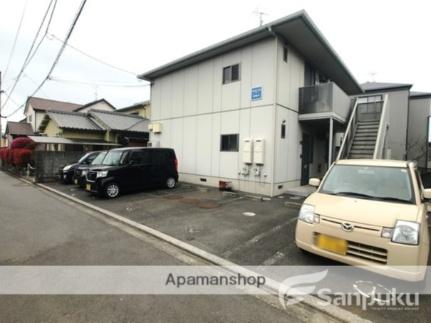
(312, 302)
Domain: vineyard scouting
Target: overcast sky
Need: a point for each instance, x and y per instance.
(386, 41)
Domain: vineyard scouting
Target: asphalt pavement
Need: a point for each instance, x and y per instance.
(38, 228)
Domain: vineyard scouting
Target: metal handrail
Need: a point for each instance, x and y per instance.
(349, 131)
(382, 132)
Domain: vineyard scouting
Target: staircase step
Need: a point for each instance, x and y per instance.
(361, 152)
(364, 141)
(376, 127)
(369, 122)
(353, 156)
(366, 134)
(358, 130)
(360, 147)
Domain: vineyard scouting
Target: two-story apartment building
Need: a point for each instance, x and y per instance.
(260, 110)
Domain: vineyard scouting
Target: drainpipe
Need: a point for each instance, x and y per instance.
(331, 130)
(274, 136)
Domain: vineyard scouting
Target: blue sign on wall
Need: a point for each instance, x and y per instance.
(256, 93)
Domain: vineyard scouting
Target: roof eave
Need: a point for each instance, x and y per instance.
(388, 89)
(345, 78)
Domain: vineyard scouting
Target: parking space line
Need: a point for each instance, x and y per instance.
(308, 302)
(257, 238)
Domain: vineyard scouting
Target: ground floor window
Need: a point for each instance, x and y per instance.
(229, 142)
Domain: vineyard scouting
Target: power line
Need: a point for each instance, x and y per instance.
(54, 64)
(93, 57)
(27, 59)
(46, 31)
(15, 39)
(97, 83)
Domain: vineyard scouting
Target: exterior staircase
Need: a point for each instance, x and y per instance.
(364, 140)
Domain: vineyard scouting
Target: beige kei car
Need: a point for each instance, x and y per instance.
(370, 213)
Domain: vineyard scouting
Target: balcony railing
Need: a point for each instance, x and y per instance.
(322, 98)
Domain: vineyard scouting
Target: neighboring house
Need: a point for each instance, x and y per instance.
(419, 129)
(71, 125)
(128, 130)
(259, 110)
(96, 128)
(101, 104)
(142, 109)
(15, 130)
(36, 108)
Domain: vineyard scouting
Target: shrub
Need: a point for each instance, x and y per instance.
(22, 142)
(21, 156)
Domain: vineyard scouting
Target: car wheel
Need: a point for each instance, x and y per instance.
(112, 190)
(171, 182)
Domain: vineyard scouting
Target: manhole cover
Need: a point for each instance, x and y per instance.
(249, 214)
(190, 201)
(208, 205)
(174, 197)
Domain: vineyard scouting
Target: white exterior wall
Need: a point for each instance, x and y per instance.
(419, 111)
(290, 77)
(398, 102)
(195, 108)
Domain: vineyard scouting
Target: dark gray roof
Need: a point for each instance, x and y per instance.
(94, 102)
(381, 86)
(19, 128)
(43, 104)
(120, 121)
(73, 120)
(134, 106)
(420, 95)
(297, 29)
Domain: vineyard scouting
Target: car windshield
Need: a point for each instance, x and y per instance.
(98, 160)
(83, 158)
(114, 158)
(369, 182)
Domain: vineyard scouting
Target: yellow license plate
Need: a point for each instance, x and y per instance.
(88, 187)
(332, 244)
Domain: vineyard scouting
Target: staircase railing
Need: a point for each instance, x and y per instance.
(349, 134)
(383, 130)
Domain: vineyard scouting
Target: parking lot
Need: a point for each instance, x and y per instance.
(248, 230)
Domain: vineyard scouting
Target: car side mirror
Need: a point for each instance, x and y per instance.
(314, 182)
(427, 193)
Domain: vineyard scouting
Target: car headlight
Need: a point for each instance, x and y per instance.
(406, 232)
(307, 214)
(102, 173)
(66, 168)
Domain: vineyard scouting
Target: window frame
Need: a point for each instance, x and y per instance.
(228, 80)
(229, 136)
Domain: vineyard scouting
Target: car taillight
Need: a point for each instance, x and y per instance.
(176, 164)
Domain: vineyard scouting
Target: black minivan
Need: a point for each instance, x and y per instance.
(129, 169)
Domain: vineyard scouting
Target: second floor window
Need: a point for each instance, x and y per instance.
(231, 73)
